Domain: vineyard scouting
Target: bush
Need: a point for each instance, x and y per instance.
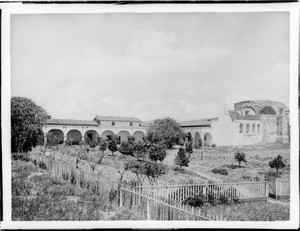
(214, 145)
(68, 142)
(270, 175)
(178, 169)
(157, 152)
(93, 144)
(240, 157)
(277, 163)
(181, 159)
(195, 201)
(221, 171)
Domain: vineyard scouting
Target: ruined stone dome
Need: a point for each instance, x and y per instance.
(258, 107)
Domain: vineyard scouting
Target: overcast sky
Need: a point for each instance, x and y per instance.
(185, 66)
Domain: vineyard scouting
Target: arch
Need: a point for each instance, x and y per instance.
(241, 127)
(189, 136)
(268, 111)
(58, 134)
(74, 136)
(248, 128)
(248, 110)
(253, 128)
(258, 128)
(107, 134)
(123, 136)
(197, 138)
(92, 134)
(138, 135)
(207, 139)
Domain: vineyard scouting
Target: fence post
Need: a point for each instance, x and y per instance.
(121, 198)
(148, 210)
(276, 188)
(267, 188)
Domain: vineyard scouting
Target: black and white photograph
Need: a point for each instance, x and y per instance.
(130, 115)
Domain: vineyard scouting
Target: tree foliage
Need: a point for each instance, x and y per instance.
(157, 151)
(146, 169)
(140, 149)
(113, 144)
(240, 157)
(127, 148)
(189, 148)
(277, 163)
(181, 158)
(103, 146)
(27, 120)
(165, 130)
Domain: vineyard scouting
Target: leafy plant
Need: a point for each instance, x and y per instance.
(240, 157)
(189, 149)
(277, 163)
(112, 144)
(103, 146)
(221, 171)
(157, 151)
(181, 159)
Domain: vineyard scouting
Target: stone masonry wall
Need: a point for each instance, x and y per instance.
(269, 128)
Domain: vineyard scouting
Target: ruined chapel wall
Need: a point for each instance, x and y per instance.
(269, 128)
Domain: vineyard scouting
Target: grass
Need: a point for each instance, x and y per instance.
(257, 156)
(38, 197)
(252, 211)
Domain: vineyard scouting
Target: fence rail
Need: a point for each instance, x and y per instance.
(177, 193)
(153, 209)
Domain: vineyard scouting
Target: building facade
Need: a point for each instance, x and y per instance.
(102, 126)
(250, 122)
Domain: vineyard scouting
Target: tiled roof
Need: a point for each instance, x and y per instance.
(117, 118)
(72, 122)
(193, 123)
(236, 116)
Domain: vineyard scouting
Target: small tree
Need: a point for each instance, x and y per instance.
(112, 144)
(126, 148)
(101, 157)
(149, 169)
(93, 144)
(181, 159)
(131, 139)
(240, 157)
(140, 149)
(189, 149)
(103, 146)
(157, 152)
(277, 163)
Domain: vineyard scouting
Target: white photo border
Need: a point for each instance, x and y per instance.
(9, 9)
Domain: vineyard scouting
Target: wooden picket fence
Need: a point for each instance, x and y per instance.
(244, 191)
(279, 188)
(80, 177)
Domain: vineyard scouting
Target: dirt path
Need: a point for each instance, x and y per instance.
(169, 160)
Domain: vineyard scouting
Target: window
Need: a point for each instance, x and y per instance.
(113, 123)
(258, 128)
(241, 128)
(248, 128)
(253, 128)
(131, 124)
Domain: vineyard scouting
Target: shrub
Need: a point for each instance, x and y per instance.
(126, 148)
(221, 171)
(103, 146)
(270, 175)
(112, 144)
(189, 149)
(157, 152)
(240, 157)
(195, 201)
(93, 144)
(277, 163)
(178, 169)
(181, 159)
(214, 145)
